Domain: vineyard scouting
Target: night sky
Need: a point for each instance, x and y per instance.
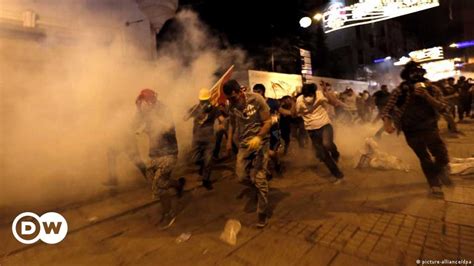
(251, 22)
(256, 25)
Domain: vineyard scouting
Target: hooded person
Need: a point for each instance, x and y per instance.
(204, 115)
(414, 108)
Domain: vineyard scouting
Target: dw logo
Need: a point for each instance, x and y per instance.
(28, 228)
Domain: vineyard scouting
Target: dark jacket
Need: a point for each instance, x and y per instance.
(413, 113)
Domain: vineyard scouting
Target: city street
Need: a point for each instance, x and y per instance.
(137, 132)
(373, 218)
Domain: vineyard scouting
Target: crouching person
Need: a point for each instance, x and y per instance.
(153, 119)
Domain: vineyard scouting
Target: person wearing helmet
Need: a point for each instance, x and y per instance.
(151, 119)
(414, 108)
(204, 115)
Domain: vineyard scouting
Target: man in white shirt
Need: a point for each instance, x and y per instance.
(311, 106)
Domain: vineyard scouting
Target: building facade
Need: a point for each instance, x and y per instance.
(354, 50)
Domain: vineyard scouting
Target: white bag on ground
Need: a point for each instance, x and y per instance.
(372, 157)
(231, 229)
(462, 166)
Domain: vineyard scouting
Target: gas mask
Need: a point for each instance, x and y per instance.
(416, 75)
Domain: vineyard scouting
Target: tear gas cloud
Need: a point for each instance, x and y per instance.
(68, 94)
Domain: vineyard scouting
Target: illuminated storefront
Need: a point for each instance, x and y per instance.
(441, 69)
(337, 16)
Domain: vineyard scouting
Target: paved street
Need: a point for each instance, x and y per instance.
(374, 218)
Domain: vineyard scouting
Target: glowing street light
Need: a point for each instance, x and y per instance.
(403, 61)
(462, 44)
(381, 60)
(318, 17)
(305, 22)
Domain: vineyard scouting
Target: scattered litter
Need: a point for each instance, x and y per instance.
(231, 229)
(183, 238)
(462, 166)
(372, 157)
(93, 219)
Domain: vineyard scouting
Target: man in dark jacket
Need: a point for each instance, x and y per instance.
(380, 99)
(414, 108)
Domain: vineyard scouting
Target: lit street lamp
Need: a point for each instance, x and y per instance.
(381, 60)
(305, 22)
(464, 44)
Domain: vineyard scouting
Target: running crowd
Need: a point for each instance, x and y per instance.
(257, 131)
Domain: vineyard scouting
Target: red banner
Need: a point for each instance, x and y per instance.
(217, 93)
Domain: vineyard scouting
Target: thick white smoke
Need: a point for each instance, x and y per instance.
(67, 98)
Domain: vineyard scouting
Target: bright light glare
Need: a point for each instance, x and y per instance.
(305, 22)
(318, 16)
(439, 69)
(453, 45)
(337, 16)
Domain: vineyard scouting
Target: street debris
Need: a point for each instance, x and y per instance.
(231, 229)
(372, 157)
(462, 166)
(183, 238)
(93, 219)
